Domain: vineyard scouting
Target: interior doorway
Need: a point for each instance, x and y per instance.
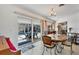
(62, 28)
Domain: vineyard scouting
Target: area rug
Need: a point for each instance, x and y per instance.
(26, 47)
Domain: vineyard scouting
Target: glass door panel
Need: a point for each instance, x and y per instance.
(36, 30)
(24, 34)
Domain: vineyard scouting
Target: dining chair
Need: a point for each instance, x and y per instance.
(69, 42)
(48, 44)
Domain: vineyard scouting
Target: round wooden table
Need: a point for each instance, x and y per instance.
(57, 40)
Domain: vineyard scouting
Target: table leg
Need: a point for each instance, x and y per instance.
(71, 48)
(43, 50)
(58, 48)
(55, 49)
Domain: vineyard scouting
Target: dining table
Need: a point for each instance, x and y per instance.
(58, 39)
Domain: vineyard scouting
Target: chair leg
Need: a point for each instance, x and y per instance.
(50, 51)
(71, 48)
(46, 49)
(43, 50)
(55, 50)
(62, 49)
(59, 49)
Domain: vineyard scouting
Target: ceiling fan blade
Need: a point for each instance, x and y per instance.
(60, 5)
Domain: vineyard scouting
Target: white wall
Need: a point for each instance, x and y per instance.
(8, 23)
(73, 22)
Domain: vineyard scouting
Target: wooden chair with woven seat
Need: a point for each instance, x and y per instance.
(48, 44)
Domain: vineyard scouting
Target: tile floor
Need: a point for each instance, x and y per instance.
(38, 49)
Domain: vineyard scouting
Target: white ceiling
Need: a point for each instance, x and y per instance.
(43, 9)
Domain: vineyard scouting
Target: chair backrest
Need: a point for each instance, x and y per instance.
(46, 40)
(10, 44)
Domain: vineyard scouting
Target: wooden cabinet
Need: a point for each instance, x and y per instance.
(3, 43)
(8, 52)
(4, 48)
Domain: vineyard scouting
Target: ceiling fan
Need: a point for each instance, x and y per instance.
(60, 5)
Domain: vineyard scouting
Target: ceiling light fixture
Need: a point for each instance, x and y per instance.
(52, 12)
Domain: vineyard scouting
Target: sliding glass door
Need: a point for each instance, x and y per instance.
(24, 34)
(36, 30)
(29, 31)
